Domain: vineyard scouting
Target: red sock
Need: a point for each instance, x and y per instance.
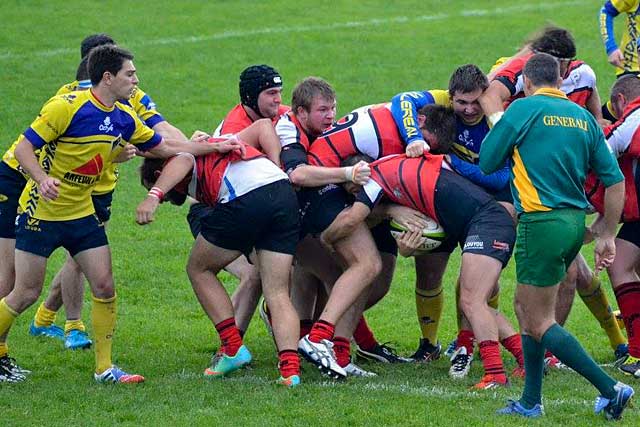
(321, 330)
(628, 296)
(491, 360)
(288, 363)
(547, 354)
(342, 349)
(364, 336)
(230, 336)
(513, 344)
(465, 339)
(305, 327)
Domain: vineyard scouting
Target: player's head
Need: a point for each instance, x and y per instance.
(82, 73)
(261, 90)
(438, 127)
(557, 42)
(541, 70)
(150, 170)
(466, 85)
(112, 67)
(352, 187)
(624, 91)
(94, 40)
(313, 101)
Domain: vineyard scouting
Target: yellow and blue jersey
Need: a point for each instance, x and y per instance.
(629, 42)
(78, 138)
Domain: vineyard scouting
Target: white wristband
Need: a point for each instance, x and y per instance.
(348, 174)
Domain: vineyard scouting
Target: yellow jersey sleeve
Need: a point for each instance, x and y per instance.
(145, 108)
(441, 97)
(53, 120)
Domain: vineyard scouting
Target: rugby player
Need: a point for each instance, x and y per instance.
(68, 284)
(579, 84)
(552, 142)
(260, 90)
(623, 137)
(79, 134)
(466, 85)
(252, 206)
(470, 217)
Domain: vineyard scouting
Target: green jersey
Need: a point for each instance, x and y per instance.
(552, 143)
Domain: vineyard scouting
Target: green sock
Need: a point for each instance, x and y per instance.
(566, 348)
(534, 368)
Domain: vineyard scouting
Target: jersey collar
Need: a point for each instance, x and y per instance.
(94, 99)
(556, 93)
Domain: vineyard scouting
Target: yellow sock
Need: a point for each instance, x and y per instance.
(70, 325)
(7, 316)
(44, 316)
(103, 318)
(598, 304)
(4, 349)
(429, 310)
(494, 301)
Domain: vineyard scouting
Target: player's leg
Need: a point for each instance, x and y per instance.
(71, 281)
(626, 286)
(246, 296)
(430, 270)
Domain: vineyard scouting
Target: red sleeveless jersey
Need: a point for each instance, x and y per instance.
(372, 132)
(237, 119)
(409, 181)
(623, 138)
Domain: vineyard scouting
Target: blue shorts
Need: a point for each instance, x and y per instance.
(41, 237)
(102, 205)
(12, 183)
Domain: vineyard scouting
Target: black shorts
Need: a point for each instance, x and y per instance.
(385, 242)
(41, 237)
(490, 232)
(630, 231)
(265, 218)
(102, 205)
(319, 206)
(197, 211)
(12, 183)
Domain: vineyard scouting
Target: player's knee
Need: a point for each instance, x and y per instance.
(103, 289)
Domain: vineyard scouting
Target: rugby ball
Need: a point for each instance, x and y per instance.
(433, 233)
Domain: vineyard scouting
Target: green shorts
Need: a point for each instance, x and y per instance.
(546, 244)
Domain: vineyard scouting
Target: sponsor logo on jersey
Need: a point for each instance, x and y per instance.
(106, 125)
(69, 98)
(87, 174)
(33, 224)
(3, 198)
(501, 246)
(473, 243)
(397, 193)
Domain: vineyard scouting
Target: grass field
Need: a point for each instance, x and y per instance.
(189, 55)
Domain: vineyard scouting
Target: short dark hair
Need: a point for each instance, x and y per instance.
(82, 73)
(92, 41)
(305, 91)
(149, 171)
(467, 78)
(542, 70)
(556, 42)
(106, 58)
(628, 85)
(355, 158)
(440, 121)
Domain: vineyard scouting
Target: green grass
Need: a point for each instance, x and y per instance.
(189, 55)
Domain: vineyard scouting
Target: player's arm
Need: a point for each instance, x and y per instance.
(492, 100)
(172, 174)
(493, 181)
(47, 186)
(169, 131)
(594, 106)
(404, 109)
(409, 241)
(409, 218)
(345, 223)
(262, 136)
(605, 248)
(607, 14)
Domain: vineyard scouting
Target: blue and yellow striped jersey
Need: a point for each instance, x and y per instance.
(78, 138)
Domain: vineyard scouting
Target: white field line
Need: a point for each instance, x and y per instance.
(455, 393)
(511, 10)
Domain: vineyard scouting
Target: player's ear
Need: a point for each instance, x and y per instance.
(421, 119)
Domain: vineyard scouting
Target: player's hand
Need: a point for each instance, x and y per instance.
(605, 253)
(230, 144)
(417, 148)
(409, 241)
(603, 122)
(616, 58)
(48, 188)
(128, 152)
(146, 209)
(407, 217)
(199, 136)
(358, 174)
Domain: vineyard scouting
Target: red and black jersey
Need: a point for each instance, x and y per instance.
(237, 119)
(365, 131)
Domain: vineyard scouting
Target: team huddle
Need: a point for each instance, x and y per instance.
(299, 205)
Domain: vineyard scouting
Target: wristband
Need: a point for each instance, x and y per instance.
(157, 193)
(495, 117)
(348, 173)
